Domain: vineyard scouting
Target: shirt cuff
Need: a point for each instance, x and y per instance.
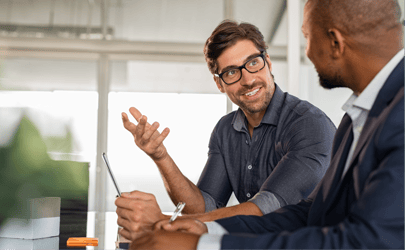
(209, 241)
(266, 202)
(215, 228)
(209, 202)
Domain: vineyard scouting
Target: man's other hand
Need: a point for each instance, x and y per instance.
(193, 226)
(137, 211)
(160, 239)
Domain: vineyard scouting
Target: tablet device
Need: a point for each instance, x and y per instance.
(111, 174)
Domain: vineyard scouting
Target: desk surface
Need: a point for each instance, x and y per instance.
(74, 224)
(85, 224)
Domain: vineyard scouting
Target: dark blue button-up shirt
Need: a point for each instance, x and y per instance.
(281, 163)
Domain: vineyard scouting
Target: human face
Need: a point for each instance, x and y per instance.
(253, 92)
(318, 51)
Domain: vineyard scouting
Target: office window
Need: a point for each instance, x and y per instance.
(60, 98)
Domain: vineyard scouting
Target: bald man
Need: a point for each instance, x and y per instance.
(359, 203)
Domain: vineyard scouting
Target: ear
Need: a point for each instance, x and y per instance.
(337, 42)
(269, 62)
(219, 85)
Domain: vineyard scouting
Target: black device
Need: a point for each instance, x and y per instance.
(111, 174)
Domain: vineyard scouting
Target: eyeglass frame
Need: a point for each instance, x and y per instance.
(262, 55)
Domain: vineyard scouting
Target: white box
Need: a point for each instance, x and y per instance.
(44, 221)
(46, 243)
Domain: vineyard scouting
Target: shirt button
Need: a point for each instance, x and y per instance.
(247, 142)
(248, 195)
(250, 167)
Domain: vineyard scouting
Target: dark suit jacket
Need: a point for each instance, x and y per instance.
(365, 209)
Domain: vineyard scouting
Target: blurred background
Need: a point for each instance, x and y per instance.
(72, 66)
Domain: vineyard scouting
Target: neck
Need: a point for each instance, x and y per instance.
(365, 62)
(364, 67)
(254, 119)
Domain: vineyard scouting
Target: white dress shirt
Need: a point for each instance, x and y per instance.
(358, 107)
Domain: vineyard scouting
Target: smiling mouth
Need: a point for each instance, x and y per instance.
(252, 92)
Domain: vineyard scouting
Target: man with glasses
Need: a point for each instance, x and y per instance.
(271, 152)
(359, 204)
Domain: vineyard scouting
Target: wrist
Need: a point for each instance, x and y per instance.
(161, 158)
(204, 217)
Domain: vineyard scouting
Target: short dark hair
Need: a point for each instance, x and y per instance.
(358, 17)
(225, 35)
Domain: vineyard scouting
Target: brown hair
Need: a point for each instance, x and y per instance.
(225, 35)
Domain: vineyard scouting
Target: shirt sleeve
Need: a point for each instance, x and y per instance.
(214, 181)
(210, 203)
(212, 240)
(215, 228)
(266, 202)
(209, 241)
(306, 145)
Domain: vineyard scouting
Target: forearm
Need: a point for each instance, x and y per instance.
(247, 208)
(179, 187)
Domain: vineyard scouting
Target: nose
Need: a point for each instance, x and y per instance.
(247, 79)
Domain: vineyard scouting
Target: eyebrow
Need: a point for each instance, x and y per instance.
(235, 66)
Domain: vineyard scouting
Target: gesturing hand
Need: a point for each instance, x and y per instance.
(146, 136)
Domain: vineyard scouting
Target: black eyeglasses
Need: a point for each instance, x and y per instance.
(254, 65)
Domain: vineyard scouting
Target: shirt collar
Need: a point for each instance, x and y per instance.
(366, 99)
(270, 117)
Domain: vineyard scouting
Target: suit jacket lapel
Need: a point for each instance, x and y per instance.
(390, 89)
(345, 130)
(338, 162)
(328, 187)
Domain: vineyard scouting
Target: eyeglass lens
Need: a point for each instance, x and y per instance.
(252, 66)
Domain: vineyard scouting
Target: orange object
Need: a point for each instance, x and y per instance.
(82, 241)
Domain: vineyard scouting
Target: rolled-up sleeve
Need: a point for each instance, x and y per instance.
(266, 202)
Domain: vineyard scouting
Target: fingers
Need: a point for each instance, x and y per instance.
(130, 204)
(161, 137)
(150, 135)
(151, 131)
(147, 137)
(140, 129)
(126, 223)
(135, 113)
(139, 195)
(176, 225)
(169, 226)
(159, 225)
(127, 124)
(185, 225)
(125, 213)
(125, 233)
